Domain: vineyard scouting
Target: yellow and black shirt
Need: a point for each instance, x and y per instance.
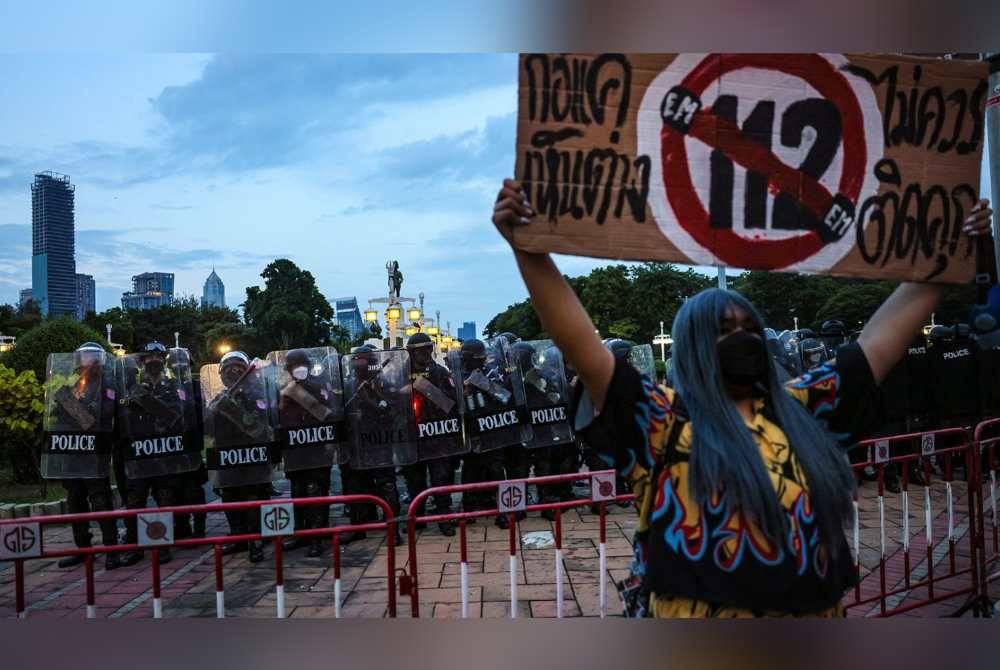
(710, 560)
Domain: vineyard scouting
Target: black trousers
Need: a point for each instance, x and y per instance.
(379, 482)
(191, 491)
(441, 474)
(487, 466)
(562, 459)
(163, 490)
(242, 522)
(91, 495)
(311, 483)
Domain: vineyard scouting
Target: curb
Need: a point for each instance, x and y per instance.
(22, 510)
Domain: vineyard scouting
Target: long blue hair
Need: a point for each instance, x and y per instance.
(724, 454)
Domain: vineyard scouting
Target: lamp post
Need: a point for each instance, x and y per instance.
(177, 340)
(664, 340)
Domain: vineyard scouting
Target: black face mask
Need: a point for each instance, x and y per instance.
(741, 356)
(154, 367)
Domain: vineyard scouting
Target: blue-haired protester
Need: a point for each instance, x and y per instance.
(742, 485)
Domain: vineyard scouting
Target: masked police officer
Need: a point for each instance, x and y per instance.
(437, 414)
(81, 392)
(376, 404)
(152, 414)
(311, 421)
(240, 442)
(190, 485)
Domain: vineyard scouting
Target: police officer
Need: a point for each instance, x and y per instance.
(477, 466)
(955, 376)
(152, 434)
(369, 400)
(81, 393)
(308, 400)
(436, 413)
(515, 457)
(190, 485)
(239, 416)
(553, 450)
(833, 334)
(813, 353)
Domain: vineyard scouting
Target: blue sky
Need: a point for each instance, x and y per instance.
(183, 162)
(339, 162)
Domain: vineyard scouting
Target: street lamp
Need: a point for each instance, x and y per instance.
(433, 331)
(371, 316)
(411, 330)
(224, 348)
(393, 313)
(413, 314)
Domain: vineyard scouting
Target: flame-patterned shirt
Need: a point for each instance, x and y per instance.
(709, 559)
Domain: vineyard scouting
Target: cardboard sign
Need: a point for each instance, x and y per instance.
(836, 164)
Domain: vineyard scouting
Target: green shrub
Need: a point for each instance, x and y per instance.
(21, 411)
(31, 351)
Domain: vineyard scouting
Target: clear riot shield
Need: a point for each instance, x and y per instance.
(81, 394)
(239, 438)
(496, 415)
(437, 409)
(377, 403)
(547, 393)
(157, 404)
(309, 399)
(641, 358)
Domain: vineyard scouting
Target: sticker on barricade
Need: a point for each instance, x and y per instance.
(511, 497)
(602, 487)
(927, 444)
(156, 529)
(277, 519)
(23, 540)
(882, 451)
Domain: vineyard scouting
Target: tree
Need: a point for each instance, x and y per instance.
(122, 329)
(340, 339)
(854, 303)
(289, 311)
(62, 334)
(231, 336)
(18, 320)
(519, 318)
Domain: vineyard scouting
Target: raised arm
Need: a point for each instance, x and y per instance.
(557, 306)
(889, 332)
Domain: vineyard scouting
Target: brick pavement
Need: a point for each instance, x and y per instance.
(189, 584)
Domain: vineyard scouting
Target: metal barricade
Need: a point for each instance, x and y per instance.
(912, 576)
(21, 529)
(987, 437)
(462, 517)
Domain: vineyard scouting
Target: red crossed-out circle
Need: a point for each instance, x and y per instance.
(722, 134)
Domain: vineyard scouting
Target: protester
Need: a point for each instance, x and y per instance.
(752, 493)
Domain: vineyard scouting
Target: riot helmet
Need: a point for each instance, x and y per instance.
(421, 350)
(472, 354)
(939, 334)
(232, 366)
(297, 364)
(154, 358)
(523, 354)
(833, 328)
(813, 352)
(619, 347)
(88, 355)
(364, 362)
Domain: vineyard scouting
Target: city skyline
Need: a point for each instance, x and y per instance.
(336, 162)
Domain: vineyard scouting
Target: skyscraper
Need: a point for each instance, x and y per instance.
(467, 331)
(348, 316)
(84, 296)
(24, 297)
(53, 262)
(149, 290)
(214, 293)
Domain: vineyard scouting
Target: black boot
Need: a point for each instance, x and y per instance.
(112, 561)
(128, 558)
(447, 529)
(165, 555)
(294, 543)
(233, 548)
(71, 561)
(502, 521)
(315, 548)
(256, 552)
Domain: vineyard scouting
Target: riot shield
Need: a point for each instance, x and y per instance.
(641, 358)
(437, 411)
(496, 414)
(239, 439)
(377, 404)
(310, 408)
(547, 394)
(81, 392)
(157, 404)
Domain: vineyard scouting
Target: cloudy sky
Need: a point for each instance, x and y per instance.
(339, 162)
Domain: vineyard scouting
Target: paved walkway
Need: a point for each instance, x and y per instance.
(189, 583)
